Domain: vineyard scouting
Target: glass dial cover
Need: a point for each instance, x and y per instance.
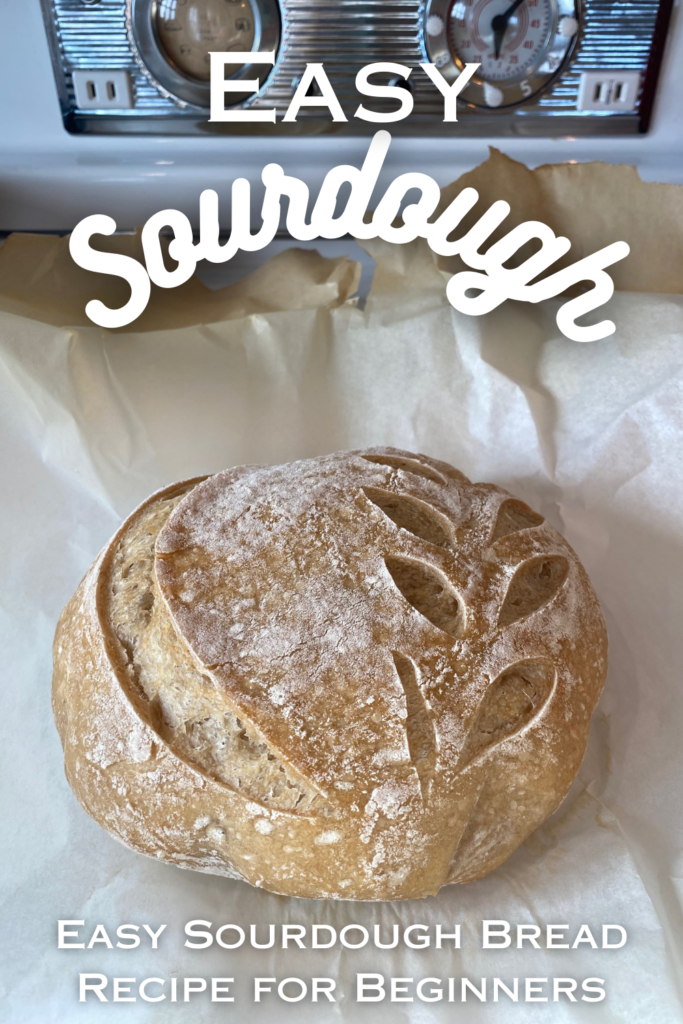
(172, 40)
(523, 44)
(189, 29)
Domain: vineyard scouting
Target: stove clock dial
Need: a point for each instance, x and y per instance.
(188, 29)
(172, 40)
(520, 45)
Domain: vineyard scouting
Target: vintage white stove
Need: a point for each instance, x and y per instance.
(105, 103)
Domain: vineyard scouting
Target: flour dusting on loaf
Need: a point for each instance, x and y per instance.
(373, 676)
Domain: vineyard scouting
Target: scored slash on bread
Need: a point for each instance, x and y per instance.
(356, 676)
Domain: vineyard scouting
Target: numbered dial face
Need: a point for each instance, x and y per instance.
(507, 43)
(521, 46)
(189, 29)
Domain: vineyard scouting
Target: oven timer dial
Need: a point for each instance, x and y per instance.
(521, 46)
(188, 29)
(172, 40)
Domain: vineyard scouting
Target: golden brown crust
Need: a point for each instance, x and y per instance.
(422, 652)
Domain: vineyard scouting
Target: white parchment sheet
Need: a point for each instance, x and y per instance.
(285, 367)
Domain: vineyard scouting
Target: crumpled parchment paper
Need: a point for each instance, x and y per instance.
(284, 366)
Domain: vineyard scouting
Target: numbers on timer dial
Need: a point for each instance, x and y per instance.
(528, 34)
(188, 29)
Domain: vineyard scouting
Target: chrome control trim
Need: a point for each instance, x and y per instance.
(345, 35)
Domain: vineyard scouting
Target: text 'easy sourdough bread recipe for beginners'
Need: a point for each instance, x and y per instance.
(357, 676)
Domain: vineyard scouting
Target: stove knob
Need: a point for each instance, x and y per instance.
(434, 25)
(492, 95)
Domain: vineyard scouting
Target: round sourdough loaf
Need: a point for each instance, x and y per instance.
(358, 676)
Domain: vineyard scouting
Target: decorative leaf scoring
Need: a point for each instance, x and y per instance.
(428, 591)
(519, 693)
(413, 515)
(419, 725)
(534, 584)
(510, 703)
(408, 465)
(514, 516)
